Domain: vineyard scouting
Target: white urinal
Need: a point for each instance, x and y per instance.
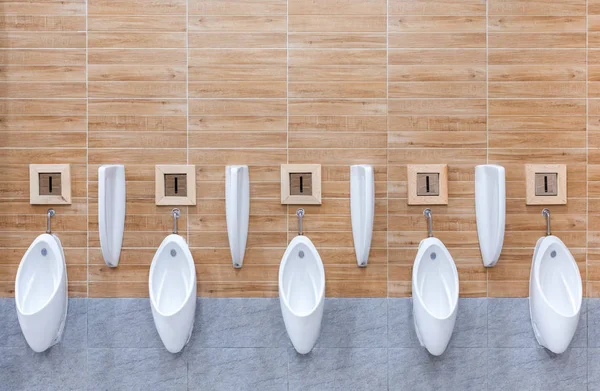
(41, 291)
(302, 291)
(555, 293)
(172, 285)
(434, 293)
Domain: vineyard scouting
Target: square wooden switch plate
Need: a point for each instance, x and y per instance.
(546, 184)
(175, 185)
(301, 184)
(49, 184)
(427, 184)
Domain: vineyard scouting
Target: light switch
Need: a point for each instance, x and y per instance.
(301, 183)
(546, 184)
(176, 185)
(428, 184)
(50, 183)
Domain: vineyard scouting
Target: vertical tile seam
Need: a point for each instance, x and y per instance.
(87, 152)
(487, 114)
(287, 115)
(587, 196)
(387, 159)
(187, 112)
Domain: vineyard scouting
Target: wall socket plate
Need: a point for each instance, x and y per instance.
(546, 184)
(427, 184)
(301, 184)
(49, 184)
(175, 184)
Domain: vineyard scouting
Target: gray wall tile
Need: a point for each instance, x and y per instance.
(238, 369)
(354, 323)
(537, 369)
(74, 334)
(593, 322)
(470, 330)
(55, 369)
(121, 323)
(456, 369)
(509, 324)
(338, 369)
(594, 369)
(239, 323)
(136, 369)
(401, 328)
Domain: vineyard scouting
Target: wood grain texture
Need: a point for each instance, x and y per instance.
(270, 82)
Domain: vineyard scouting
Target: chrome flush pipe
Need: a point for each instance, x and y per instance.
(428, 216)
(300, 214)
(546, 213)
(51, 213)
(176, 213)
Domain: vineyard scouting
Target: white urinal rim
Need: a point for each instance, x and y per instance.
(192, 268)
(53, 242)
(416, 293)
(539, 253)
(300, 239)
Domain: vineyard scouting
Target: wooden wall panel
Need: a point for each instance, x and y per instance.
(266, 82)
(337, 94)
(42, 120)
(537, 73)
(436, 114)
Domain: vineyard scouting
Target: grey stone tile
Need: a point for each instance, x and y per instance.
(456, 369)
(239, 369)
(354, 323)
(401, 328)
(121, 323)
(136, 369)
(10, 330)
(57, 368)
(470, 330)
(338, 369)
(593, 323)
(594, 369)
(537, 369)
(74, 334)
(509, 324)
(238, 323)
(580, 339)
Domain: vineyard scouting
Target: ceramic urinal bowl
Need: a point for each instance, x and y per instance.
(173, 292)
(302, 293)
(41, 292)
(435, 295)
(555, 294)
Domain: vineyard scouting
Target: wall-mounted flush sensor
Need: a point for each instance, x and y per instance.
(301, 184)
(427, 184)
(175, 184)
(49, 184)
(546, 184)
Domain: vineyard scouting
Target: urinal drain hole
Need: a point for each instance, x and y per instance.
(173, 253)
(553, 254)
(433, 256)
(44, 252)
(301, 254)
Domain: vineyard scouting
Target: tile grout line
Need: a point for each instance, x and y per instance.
(587, 210)
(487, 113)
(187, 110)
(87, 162)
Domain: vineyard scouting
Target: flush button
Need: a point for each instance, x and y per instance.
(50, 183)
(546, 184)
(176, 185)
(301, 183)
(428, 184)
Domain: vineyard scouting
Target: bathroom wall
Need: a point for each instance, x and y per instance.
(241, 344)
(265, 82)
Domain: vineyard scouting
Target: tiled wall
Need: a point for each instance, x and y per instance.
(241, 344)
(265, 82)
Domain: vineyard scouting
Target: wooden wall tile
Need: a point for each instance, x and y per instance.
(266, 82)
